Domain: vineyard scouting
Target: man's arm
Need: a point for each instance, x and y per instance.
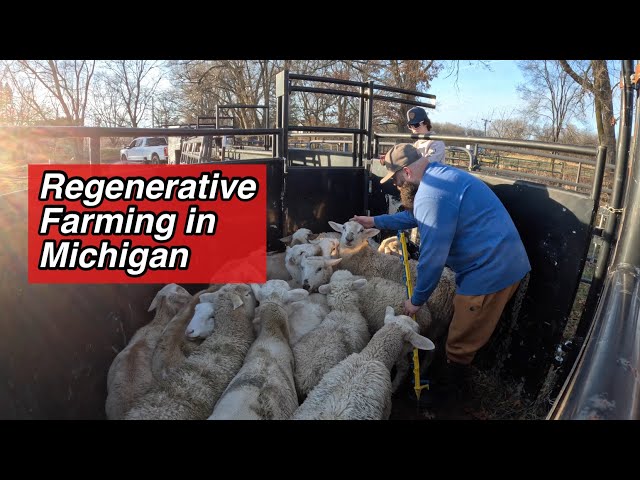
(397, 221)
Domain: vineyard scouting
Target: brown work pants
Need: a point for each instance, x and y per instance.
(474, 319)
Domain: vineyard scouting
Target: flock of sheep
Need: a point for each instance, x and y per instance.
(318, 340)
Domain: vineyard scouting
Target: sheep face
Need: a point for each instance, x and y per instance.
(341, 290)
(409, 328)
(294, 255)
(353, 234)
(317, 271)
(204, 318)
(202, 323)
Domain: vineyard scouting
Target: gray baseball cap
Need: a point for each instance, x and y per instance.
(400, 156)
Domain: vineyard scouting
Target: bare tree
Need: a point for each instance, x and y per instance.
(508, 124)
(56, 91)
(550, 94)
(133, 84)
(593, 77)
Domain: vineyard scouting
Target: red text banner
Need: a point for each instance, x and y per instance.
(201, 223)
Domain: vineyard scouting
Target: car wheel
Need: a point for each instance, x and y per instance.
(155, 160)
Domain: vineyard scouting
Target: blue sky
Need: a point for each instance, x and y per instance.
(479, 93)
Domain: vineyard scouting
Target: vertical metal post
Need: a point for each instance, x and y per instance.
(628, 249)
(622, 160)
(578, 174)
(598, 174)
(266, 125)
(357, 152)
(475, 156)
(282, 116)
(217, 125)
(94, 151)
(369, 121)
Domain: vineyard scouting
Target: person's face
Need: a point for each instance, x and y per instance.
(419, 128)
(399, 178)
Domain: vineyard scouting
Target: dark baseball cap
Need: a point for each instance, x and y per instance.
(400, 156)
(416, 115)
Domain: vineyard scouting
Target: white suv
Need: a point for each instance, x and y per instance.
(146, 149)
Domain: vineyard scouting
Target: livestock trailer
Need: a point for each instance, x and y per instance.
(57, 341)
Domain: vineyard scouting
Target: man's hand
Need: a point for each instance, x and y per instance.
(410, 308)
(382, 157)
(366, 222)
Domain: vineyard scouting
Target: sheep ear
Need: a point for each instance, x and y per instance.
(208, 297)
(333, 262)
(324, 289)
(418, 341)
(389, 312)
(163, 292)
(287, 240)
(312, 236)
(315, 241)
(255, 288)
(371, 232)
(336, 226)
(296, 295)
(237, 301)
(358, 284)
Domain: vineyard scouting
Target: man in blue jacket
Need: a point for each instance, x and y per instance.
(462, 224)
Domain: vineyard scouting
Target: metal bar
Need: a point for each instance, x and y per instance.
(615, 202)
(240, 105)
(307, 128)
(403, 90)
(217, 113)
(603, 381)
(598, 174)
(361, 114)
(369, 117)
(319, 135)
(499, 141)
(547, 155)
(94, 151)
(531, 176)
(403, 101)
(63, 132)
(286, 86)
(328, 91)
(312, 78)
(628, 250)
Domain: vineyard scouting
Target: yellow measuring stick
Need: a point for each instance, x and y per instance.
(407, 275)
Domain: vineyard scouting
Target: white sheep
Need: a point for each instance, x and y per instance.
(298, 237)
(316, 271)
(293, 259)
(264, 388)
(173, 346)
(202, 323)
(342, 332)
(193, 388)
(359, 387)
(276, 268)
(390, 246)
(433, 319)
(129, 375)
(360, 259)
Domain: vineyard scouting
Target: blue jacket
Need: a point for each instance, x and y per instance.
(463, 225)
